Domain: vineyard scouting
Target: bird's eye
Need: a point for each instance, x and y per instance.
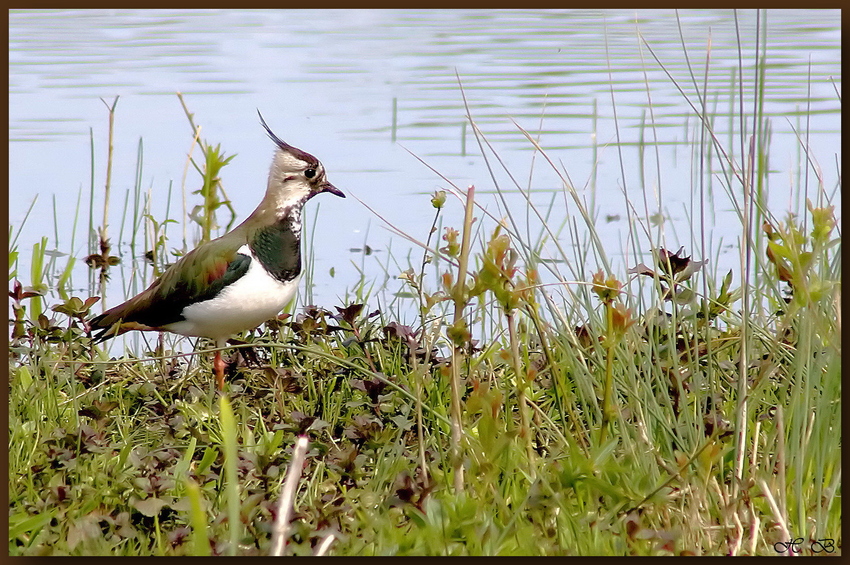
(310, 173)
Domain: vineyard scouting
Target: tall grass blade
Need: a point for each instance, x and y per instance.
(231, 477)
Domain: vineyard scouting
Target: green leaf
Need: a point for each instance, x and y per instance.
(210, 455)
(23, 523)
(182, 467)
(25, 377)
(200, 538)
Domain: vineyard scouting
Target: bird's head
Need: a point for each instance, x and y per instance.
(295, 175)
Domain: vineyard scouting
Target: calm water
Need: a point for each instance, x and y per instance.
(326, 81)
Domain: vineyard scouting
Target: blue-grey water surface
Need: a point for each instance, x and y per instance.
(326, 81)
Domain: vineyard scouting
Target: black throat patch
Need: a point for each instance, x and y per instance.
(278, 247)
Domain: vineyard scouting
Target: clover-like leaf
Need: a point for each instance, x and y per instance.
(150, 506)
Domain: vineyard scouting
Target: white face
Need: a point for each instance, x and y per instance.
(288, 162)
(295, 177)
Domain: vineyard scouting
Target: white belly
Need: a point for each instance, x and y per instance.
(245, 304)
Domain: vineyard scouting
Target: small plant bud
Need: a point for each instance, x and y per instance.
(823, 221)
(439, 199)
(459, 333)
(607, 290)
(622, 319)
(453, 247)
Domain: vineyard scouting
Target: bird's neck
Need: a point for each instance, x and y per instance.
(276, 208)
(277, 243)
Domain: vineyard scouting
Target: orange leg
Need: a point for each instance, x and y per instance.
(218, 366)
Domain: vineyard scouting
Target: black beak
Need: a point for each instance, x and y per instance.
(328, 187)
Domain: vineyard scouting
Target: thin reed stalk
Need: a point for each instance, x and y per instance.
(460, 300)
(287, 496)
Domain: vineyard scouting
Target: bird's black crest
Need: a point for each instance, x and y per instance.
(282, 144)
(303, 155)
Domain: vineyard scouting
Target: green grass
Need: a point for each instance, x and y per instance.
(535, 408)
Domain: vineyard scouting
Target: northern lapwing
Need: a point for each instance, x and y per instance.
(239, 280)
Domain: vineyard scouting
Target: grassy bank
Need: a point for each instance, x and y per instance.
(536, 407)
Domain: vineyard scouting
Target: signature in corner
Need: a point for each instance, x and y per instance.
(793, 546)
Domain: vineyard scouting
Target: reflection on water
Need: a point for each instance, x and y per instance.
(336, 81)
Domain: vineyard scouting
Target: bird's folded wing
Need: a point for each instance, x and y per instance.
(197, 277)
